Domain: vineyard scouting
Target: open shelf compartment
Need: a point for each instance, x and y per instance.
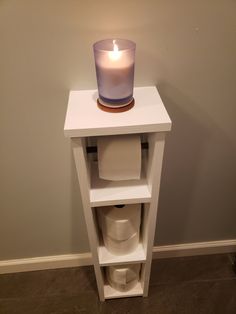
(112, 293)
(139, 255)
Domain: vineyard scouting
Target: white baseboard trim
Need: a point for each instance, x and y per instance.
(45, 262)
(197, 248)
(85, 259)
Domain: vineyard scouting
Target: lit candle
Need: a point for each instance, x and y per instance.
(114, 60)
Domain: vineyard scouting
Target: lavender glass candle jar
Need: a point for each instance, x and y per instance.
(114, 61)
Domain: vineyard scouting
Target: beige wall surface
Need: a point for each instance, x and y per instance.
(186, 48)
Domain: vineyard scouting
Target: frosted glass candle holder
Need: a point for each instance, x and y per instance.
(114, 61)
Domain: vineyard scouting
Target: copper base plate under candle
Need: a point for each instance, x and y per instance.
(114, 109)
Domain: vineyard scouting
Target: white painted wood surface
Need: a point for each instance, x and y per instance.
(84, 121)
(84, 118)
(104, 193)
(106, 258)
(81, 163)
(156, 149)
(111, 293)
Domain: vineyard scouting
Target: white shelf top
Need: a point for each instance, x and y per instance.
(106, 258)
(111, 293)
(104, 192)
(84, 118)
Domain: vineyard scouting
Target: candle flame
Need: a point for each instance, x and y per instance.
(115, 47)
(115, 54)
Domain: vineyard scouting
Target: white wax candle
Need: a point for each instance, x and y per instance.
(115, 71)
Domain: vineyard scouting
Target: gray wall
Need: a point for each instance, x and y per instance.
(186, 48)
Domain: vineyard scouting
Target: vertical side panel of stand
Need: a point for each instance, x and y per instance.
(155, 156)
(82, 167)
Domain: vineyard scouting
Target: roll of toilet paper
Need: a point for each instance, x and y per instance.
(118, 275)
(120, 223)
(119, 157)
(122, 287)
(124, 274)
(123, 278)
(121, 247)
(133, 272)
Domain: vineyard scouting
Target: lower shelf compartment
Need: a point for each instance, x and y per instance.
(111, 293)
(106, 258)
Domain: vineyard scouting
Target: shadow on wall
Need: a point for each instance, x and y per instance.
(183, 154)
(189, 187)
(79, 238)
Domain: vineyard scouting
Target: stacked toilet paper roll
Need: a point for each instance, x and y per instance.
(123, 278)
(120, 227)
(119, 157)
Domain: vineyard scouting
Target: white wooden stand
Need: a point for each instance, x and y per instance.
(84, 122)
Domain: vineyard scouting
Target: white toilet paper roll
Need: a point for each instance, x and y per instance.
(119, 157)
(120, 223)
(123, 278)
(122, 287)
(118, 275)
(124, 274)
(133, 272)
(121, 247)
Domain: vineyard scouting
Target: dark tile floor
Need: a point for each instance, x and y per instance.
(200, 284)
